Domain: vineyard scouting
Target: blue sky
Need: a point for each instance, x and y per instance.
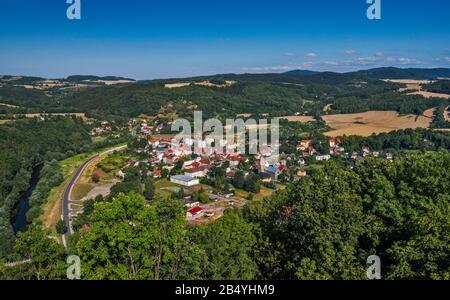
(160, 39)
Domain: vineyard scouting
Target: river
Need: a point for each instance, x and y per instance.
(20, 220)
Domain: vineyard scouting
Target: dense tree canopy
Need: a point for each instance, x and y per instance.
(326, 226)
(26, 144)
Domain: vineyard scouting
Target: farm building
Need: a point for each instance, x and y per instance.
(193, 212)
(184, 180)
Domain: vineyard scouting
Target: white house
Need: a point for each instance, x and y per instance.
(323, 157)
(197, 172)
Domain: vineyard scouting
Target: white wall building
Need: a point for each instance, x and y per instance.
(184, 180)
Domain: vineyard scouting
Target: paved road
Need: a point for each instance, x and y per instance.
(68, 192)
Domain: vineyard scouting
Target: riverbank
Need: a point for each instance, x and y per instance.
(19, 222)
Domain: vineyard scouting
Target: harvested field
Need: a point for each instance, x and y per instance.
(176, 85)
(299, 119)
(416, 85)
(430, 95)
(365, 124)
(37, 115)
(327, 107)
(9, 105)
(16, 117)
(429, 113)
(410, 83)
(244, 115)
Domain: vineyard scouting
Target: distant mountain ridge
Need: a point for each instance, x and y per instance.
(277, 93)
(301, 72)
(408, 73)
(293, 75)
(388, 73)
(78, 78)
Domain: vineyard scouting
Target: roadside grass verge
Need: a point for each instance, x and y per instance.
(53, 206)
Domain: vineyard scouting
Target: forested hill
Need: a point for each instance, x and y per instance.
(397, 73)
(154, 98)
(223, 95)
(25, 144)
(278, 94)
(81, 78)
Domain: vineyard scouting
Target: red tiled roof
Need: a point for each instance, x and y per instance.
(236, 158)
(195, 210)
(195, 170)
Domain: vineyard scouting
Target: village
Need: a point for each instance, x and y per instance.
(214, 180)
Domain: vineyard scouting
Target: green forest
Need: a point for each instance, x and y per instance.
(408, 139)
(25, 145)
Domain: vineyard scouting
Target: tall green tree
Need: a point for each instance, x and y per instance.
(239, 179)
(129, 239)
(38, 256)
(228, 245)
(149, 188)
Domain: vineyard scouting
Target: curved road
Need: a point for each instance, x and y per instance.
(68, 192)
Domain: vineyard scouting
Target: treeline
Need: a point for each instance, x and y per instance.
(324, 226)
(404, 104)
(49, 177)
(439, 120)
(440, 86)
(26, 99)
(26, 144)
(408, 139)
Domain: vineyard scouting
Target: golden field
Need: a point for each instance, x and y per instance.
(365, 124)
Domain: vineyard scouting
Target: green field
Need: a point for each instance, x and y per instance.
(164, 188)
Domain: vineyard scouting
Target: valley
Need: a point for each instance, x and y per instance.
(106, 150)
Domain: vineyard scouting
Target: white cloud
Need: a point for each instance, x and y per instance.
(349, 52)
(311, 54)
(409, 61)
(443, 59)
(373, 61)
(269, 69)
